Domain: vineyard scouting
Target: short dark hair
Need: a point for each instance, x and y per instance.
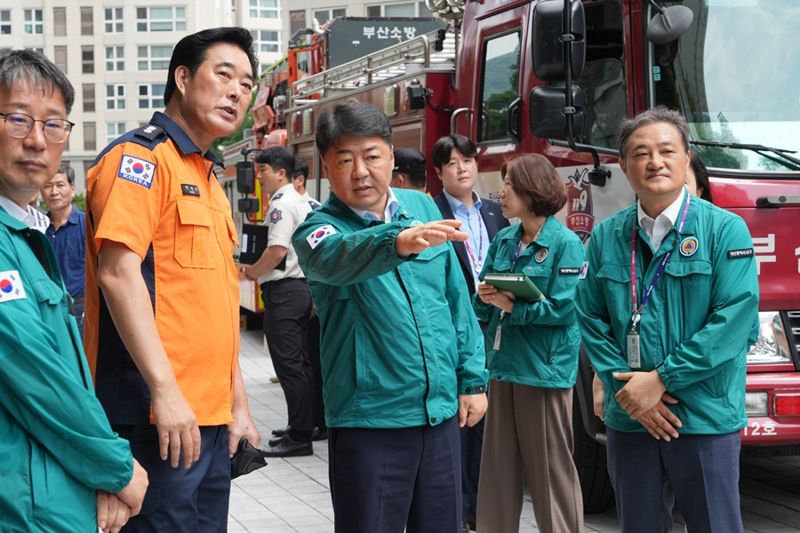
(28, 65)
(278, 158)
(411, 162)
(190, 52)
(534, 179)
(701, 177)
(68, 171)
(651, 116)
(443, 149)
(300, 168)
(351, 119)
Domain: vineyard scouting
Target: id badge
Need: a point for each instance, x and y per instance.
(497, 335)
(634, 358)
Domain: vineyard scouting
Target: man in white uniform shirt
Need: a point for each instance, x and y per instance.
(287, 300)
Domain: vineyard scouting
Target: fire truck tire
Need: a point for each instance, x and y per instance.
(590, 461)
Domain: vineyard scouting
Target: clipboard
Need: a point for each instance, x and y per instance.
(519, 285)
(254, 242)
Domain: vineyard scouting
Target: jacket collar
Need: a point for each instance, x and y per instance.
(545, 238)
(180, 138)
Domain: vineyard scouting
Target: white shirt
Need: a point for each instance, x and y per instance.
(287, 209)
(657, 229)
(30, 216)
(391, 207)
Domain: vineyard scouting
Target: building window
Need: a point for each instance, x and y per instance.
(89, 136)
(265, 9)
(88, 97)
(115, 96)
(324, 15)
(114, 20)
(167, 18)
(60, 21)
(297, 20)
(115, 58)
(114, 130)
(34, 21)
(151, 95)
(5, 22)
(154, 57)
(267, 40)
(87, 20)
(87, 59)
(405, 9)
(60, 57)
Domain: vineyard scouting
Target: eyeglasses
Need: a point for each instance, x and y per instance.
(19, 126)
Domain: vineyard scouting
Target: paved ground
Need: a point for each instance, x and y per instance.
(291, 495)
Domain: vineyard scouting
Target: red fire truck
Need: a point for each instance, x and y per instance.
(541, 76)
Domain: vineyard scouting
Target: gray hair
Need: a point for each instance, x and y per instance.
(68, 171)
(651, 116)
(29, 65)
(351, 119)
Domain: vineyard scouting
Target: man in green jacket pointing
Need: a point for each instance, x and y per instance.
(403, 362)
(60, 463)
(668, 311)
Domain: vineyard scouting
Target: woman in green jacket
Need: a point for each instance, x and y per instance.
(532, 358)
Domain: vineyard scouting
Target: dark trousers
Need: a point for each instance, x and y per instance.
(699, 473)
(287, 308)
(395, 480)
(180, 500)
(471, 447)
(317, 406)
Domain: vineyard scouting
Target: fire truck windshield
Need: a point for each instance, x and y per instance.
(735, 76)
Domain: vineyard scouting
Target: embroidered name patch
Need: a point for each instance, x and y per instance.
(736, 254)
(570, 271)
(190, 190)
(319, 235)
(11, 286)
(275, 216)
(139, 171)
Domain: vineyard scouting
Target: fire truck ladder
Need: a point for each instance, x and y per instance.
(429, 49)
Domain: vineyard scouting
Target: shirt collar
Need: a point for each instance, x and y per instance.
(391, 208)
(457, 205)
(13, 209)
(670, 213)
(286, 189)
(180, 138)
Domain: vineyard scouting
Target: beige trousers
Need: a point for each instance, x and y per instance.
(528, 433)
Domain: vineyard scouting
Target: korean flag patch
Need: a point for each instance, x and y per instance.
(11, 286)
(319, 235)
(139, 171)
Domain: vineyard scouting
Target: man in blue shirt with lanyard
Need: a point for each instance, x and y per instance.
(455, 160)
(67, 232)
(668, 310)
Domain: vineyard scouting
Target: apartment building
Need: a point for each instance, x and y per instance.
(116, 54)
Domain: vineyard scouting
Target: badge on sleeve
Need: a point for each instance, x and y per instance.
(737, 254)
(139, 171)
(11, 286)
(319, 235)
(275, 216)
(688, 246)
(541, 255)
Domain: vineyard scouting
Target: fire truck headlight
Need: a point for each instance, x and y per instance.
(772, 346)
(756, 403)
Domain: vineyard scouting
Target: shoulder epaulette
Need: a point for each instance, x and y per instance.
(151, 132)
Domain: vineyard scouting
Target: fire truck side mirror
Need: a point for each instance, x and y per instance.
(546, 111)
(248, 205)
(245, 177)
(548, 40)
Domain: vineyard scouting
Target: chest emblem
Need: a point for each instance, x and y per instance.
(688, 246)
(541, 255)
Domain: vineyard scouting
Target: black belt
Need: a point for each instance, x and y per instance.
(284, 281)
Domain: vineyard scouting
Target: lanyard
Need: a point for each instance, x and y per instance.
(475, 258)
(637, 310)
(517, 251)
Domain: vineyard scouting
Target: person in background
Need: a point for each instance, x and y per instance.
(162, 290)
(409, 170)
(67, 232)
(455, 160)
(287, 301)
(533, 360)
(402, 355)
(60, 462)
(697, 179)
(299, 177)
(668, 309)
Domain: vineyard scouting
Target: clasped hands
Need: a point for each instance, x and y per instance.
(645, 399)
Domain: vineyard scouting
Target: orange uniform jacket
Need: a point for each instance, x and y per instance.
(153, 191)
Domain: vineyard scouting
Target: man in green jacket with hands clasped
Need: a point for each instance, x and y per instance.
(668, 311)
(403, 362)
(61, 466)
